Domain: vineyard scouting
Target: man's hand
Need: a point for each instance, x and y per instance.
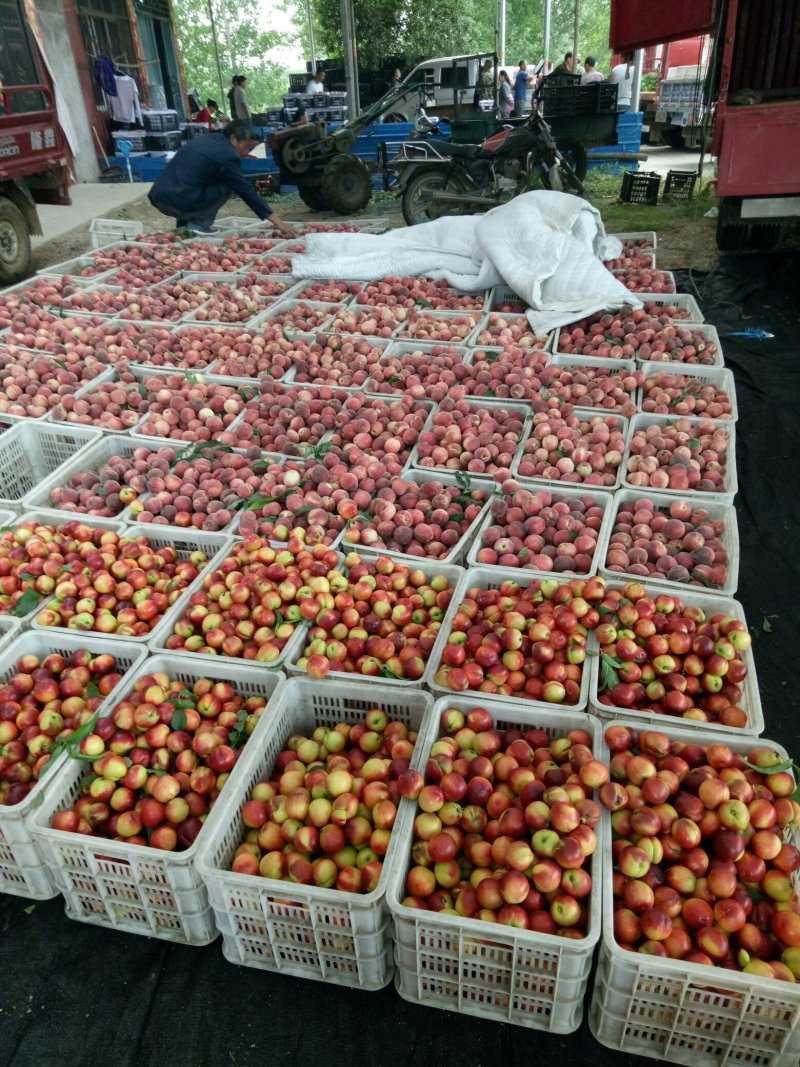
(284, 227)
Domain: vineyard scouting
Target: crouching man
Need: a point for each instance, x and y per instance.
(204, 174)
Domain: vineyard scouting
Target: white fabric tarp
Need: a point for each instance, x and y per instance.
(547, 247)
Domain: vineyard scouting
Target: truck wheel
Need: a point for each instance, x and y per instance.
(417, 205)
(312, 197)
(15, 243)
(673, 136)
(346, 185)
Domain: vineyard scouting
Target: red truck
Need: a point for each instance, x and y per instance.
(752, 98)
(34, 156)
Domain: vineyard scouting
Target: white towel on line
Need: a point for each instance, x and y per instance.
(547, 247)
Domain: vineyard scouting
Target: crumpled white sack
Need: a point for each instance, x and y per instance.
(543, 245)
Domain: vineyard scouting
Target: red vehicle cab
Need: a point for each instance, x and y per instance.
(34, 160)
(754, 88)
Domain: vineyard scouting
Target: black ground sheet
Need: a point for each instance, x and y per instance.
(74, 995)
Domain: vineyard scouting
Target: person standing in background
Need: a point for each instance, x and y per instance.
(241, 107)
(622, 76)
(566, 66)
(522, 82)
(505, 94)
(317, 83)
(483, 86)
(591, 75)
(394, 81)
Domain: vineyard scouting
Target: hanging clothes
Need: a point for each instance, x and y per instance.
(124, 107)
(104, 74)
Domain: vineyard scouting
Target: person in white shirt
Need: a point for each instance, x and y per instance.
(622, 76)
(317, 83)
(590, 74)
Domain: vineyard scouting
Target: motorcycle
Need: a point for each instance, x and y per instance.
(437, 178)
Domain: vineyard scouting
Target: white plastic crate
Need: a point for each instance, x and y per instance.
(684, 1012)
(458, 553)
(23, 871)
(679, 300)
(751, 699)
(524, 411)
(634, 235)
(502, 294)
(487, 578)
(441, 315)
(559, 492)
(607, 367)
(30, 451)
(186, 541)
(730, 483)
(484, 969)
(645, 294)
(78, 391)
(717, 376)
(454, 576)
(295, 929)
(9, 629)
(161, 633)
(134, 888)
(730, 539)
(71, 268)
(105, 231)
(584, 414)
(91, 459)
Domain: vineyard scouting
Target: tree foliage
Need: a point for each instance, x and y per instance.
(422, 29)
(243, 48)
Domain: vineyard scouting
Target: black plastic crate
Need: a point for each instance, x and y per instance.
(593, 99)
(163, 142)
(680, 184)
(195, 129)
(298, 83)
(640, 188)
(606, 97)
(160, 121)
(274, 114)
(336, 114)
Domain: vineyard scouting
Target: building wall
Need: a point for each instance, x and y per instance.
(58, 45)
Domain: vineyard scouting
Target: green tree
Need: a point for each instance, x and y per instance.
(243, 49)
(422, 29)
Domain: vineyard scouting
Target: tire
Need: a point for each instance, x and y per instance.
(428, 180)
(312, 197)
(346, 185)
(673, 136)
(575, 154)
(15, 243)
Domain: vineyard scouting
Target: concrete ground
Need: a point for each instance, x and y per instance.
(91, 200)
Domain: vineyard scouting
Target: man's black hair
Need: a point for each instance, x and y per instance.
(238, 129)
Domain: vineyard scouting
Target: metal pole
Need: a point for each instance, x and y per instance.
(547, 11)
(311, 46)
(216, 53)
(502, 33)
(636, 87)
(575, 30)
(350, 58)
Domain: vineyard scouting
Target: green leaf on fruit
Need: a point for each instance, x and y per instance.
(463, 481)
(92, 690)
(26, 577)
(458, 517)
(87, 780)
(6, 529)
(766, 625)
(60, 363)
(279, 619)
(522, 553)
(260, 502)
(395, 378)
(78, 735)
(237, 733)
(247, 394)
(26, 603)
(142, 390)
(608, 671)
(289, 336)
(694, 442)
(421, 302)
(30, 909)
(387, 672)
(178, 721)
(193, 379)
(775, 768)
